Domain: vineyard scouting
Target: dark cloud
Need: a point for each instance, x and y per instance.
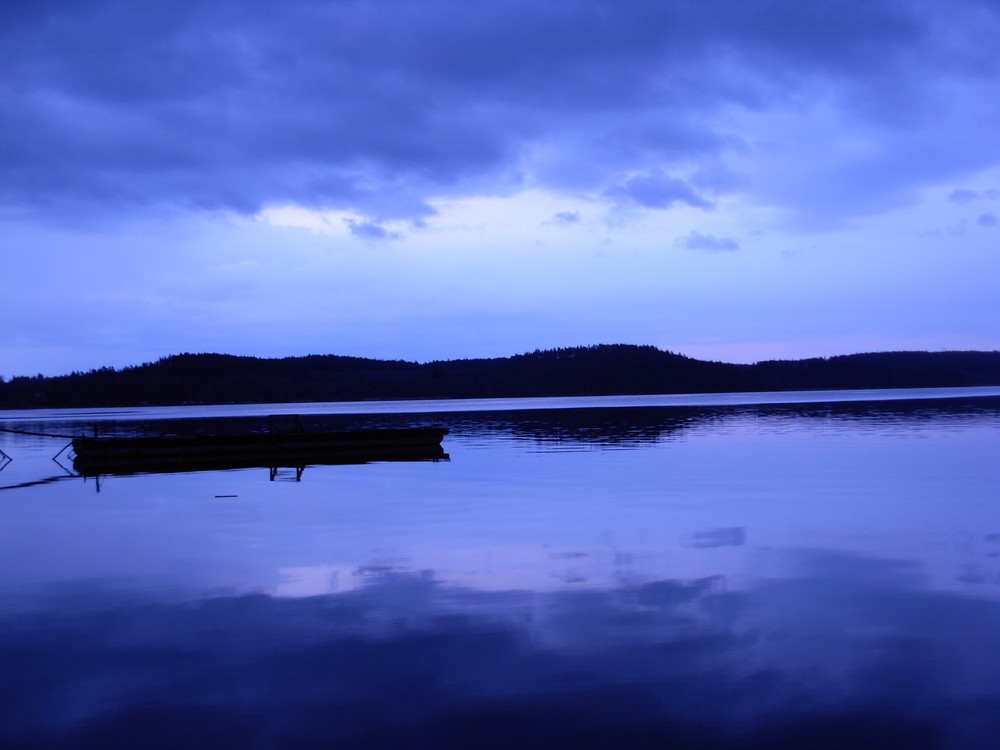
(656, 190)
(963, 196)
(719, 179)
(377, 105)
(370, 230)
(564, 219)
(988, 219)
(708, 243)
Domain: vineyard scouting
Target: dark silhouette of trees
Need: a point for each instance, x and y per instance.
(594, 370)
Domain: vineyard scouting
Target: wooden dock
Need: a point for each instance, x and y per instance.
(129, 455)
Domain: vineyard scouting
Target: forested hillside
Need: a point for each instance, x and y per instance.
(595, 370)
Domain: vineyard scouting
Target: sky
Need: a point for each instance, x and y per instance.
(441, 179)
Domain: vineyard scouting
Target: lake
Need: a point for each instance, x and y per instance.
(793, 570)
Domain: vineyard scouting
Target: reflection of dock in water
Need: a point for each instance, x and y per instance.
(274, 450)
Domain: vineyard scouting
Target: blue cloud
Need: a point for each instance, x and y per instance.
(564, 219)
(370, 230)
(378, 107)
(963, 196)
(707, 243)
(656, 190)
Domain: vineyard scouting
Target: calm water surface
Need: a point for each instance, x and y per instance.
(694, 572)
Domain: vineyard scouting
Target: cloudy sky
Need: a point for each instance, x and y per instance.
(435, 179)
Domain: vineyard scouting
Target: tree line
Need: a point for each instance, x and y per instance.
(579, 371)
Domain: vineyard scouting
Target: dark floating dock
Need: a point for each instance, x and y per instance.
(95, 456)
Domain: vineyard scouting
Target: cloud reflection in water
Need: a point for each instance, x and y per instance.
(843, 651)
(816, 576)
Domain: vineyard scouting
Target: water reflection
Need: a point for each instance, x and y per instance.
(734, 536)
(841, 652)
(751, 576)
(551, 428)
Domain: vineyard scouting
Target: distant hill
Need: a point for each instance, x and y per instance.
(580, 371)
